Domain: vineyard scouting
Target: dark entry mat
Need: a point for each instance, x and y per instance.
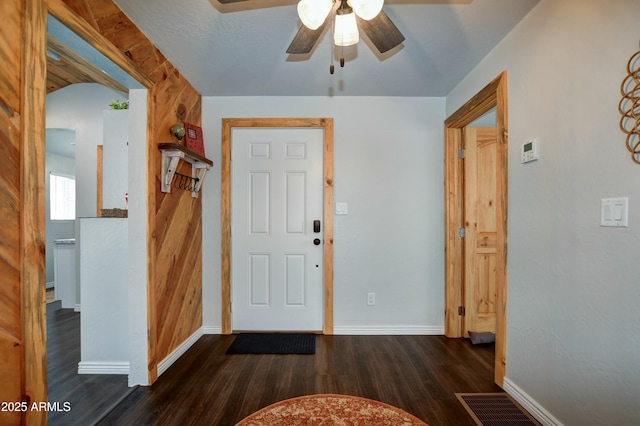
(273, 343)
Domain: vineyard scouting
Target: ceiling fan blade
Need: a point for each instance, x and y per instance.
(305, 39)
(381, 31)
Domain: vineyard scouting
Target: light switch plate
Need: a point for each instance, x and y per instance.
(342, 208)
(614, 212)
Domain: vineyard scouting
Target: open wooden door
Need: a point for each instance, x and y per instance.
(481, 219)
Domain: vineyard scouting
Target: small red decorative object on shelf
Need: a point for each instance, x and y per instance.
(193, 138)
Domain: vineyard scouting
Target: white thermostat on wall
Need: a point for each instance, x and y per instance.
(530, 151)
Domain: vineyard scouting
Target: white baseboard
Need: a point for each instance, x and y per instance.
(76, 308)
(51, 284)
(179, 351)
(364, 330)
(103, 367)
(212, 329)
(530, 404)
(383, 330)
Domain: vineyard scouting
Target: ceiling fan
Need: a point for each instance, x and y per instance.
(348, 16)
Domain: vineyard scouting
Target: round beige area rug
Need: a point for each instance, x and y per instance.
(330, 410)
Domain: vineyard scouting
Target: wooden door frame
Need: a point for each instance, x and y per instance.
(228, 124)
(31, 121)
(493, 95)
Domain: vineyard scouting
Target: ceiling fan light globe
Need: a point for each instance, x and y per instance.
(312, 13)
(346, 30)
(367, 9)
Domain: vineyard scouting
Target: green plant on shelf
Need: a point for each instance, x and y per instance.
(118, 104)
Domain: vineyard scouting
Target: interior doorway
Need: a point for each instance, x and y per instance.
(494, 95)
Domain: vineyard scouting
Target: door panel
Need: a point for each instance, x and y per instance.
(295, 202)
(277, 193)
(260, 288)
(260, 200)
(480, 176)
(295, 279)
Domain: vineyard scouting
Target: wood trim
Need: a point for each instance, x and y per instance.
(328, 226)
(502, 229)
(477, 106)
(454, 247)
(152, 242)
(81, 27)
(32, 226)
(225, 212)
(495, 94)
(99, 178)
(78, 68)
(227, 126)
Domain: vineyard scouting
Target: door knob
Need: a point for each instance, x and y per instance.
(317, 241)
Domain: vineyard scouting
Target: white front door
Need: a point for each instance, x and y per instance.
(276, 195)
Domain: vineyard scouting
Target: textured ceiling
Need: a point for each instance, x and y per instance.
(239, 49)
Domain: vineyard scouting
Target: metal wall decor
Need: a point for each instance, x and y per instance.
(629, 106)
(186, 183)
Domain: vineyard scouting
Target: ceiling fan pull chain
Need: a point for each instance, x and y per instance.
(333, 29)
(342, 52)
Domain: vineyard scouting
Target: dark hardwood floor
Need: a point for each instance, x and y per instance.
(419, 374)
(88, 396)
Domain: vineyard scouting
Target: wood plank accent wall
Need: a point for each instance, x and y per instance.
(23, 369)
(10, 321)
(175, 219)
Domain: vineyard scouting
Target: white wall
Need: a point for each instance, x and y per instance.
(389, 169)
(137, 245)
(573, 335)
(80, 107)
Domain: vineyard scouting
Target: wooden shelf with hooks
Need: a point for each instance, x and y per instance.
(172, 153)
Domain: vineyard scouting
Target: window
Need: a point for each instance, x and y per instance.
(62, 197)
